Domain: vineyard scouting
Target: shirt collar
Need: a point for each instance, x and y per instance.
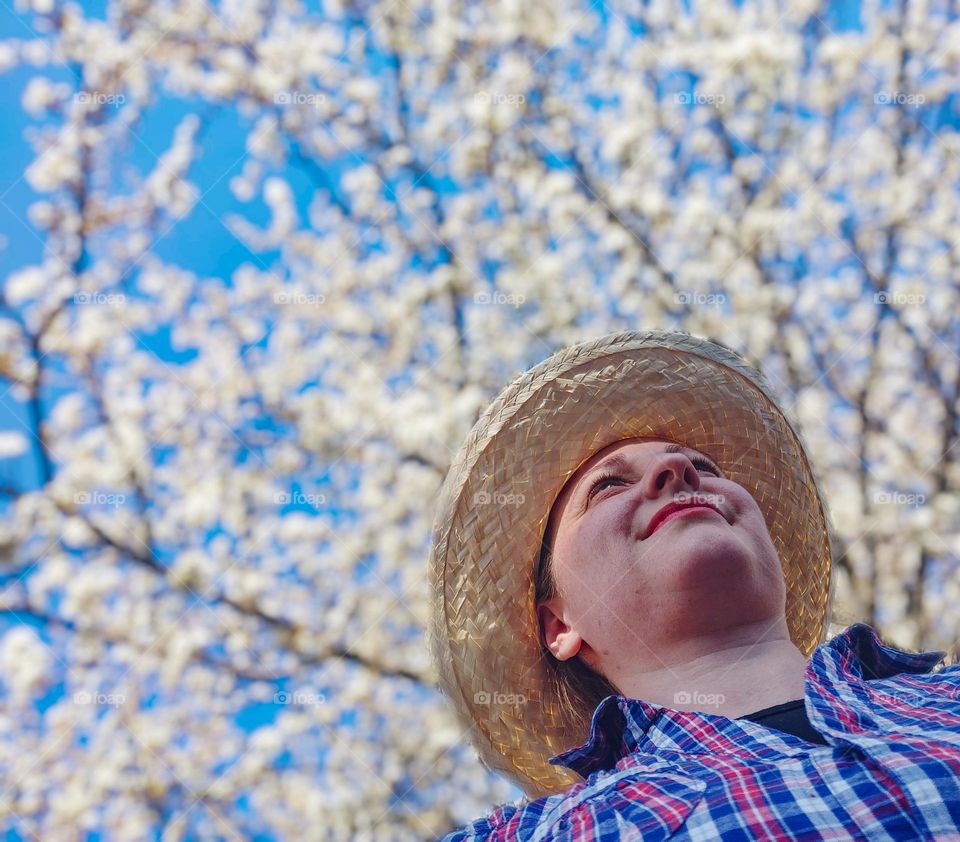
(859, 653)
(620, 724)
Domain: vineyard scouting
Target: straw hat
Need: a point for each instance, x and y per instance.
(496, 498)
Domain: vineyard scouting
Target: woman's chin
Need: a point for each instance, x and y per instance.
(715, 556)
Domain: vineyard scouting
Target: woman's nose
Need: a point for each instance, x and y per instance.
(670, 473)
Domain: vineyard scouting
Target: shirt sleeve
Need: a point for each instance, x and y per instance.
(492, 827)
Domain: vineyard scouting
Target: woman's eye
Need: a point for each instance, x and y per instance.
(703, 463)
(601, 483)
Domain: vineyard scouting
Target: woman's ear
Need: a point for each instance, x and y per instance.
(560, 639)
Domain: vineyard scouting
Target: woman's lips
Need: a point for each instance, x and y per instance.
(682, 512)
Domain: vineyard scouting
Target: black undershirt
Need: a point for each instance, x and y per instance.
(790, 717)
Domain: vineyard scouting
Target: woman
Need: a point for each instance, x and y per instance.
(632, 573)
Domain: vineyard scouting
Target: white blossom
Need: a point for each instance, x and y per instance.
(25, 662)
(12, 444)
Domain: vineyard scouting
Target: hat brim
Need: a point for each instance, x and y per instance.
(494, 504)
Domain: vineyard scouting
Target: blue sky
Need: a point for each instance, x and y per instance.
(200, 243)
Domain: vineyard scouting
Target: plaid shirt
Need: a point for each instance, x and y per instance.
(891, 771)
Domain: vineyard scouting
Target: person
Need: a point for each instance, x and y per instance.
(632, 575)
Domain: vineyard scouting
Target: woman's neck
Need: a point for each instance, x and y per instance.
(729, 681)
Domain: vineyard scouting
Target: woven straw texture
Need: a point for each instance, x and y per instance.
(494, 504)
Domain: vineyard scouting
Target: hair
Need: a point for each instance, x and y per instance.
(578, 686)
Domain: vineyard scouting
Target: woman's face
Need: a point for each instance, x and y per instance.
(628, 596)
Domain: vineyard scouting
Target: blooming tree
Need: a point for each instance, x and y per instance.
(216, 593)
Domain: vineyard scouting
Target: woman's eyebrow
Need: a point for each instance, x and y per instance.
(617, 462)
